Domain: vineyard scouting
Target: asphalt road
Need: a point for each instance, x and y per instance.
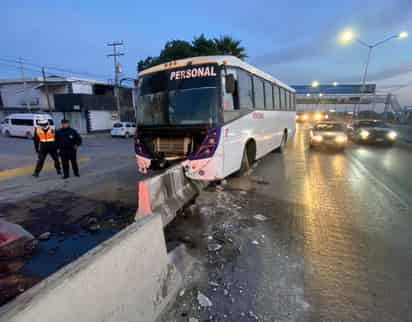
(335, 244)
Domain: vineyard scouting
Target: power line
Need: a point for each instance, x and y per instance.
(59, 69)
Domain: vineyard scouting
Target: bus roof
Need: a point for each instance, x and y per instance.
(220, 60)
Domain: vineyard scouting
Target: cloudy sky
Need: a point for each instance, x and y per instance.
(294, 40)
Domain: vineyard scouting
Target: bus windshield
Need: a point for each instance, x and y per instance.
(184, 96)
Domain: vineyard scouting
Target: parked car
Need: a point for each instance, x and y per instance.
(329, 134)
(372, 131)
(23, 124)
(123, 129)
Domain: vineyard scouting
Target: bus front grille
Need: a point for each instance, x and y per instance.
(173, 147)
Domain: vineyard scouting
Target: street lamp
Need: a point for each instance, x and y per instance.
(315, 84)
(348, 35)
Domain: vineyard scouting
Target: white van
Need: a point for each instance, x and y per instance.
(123, 129)
(23, 124)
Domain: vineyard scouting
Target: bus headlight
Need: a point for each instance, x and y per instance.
(392, 135)
(208, 146)
(305, 117)
(364, 134)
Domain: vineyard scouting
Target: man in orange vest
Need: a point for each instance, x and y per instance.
(44, 144)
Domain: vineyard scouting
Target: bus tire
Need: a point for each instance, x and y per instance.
(127, 135)
(29, 135)
(245, 165)
(249, 155)
(7, 133)
(282, 145)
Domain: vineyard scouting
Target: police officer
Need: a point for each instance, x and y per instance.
(68, 140)
(45, 143)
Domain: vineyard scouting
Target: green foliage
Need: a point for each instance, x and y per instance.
(200, 46)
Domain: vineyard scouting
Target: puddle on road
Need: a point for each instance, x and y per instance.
(76, 225)
(51, 255)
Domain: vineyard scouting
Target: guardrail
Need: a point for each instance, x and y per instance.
(166, 194)
(127, 278)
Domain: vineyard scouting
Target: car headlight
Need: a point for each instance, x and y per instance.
(305, 117)
(392, 135)
(364, 134)
(317, 138)
(318, 117)
(340, 139)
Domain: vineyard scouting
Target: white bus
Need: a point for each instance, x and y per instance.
(217, 113)
(23, 124)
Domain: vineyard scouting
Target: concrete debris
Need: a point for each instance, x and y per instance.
(182, 292)
(203, 300)
(255, 242)
(206, 211)
(214, 247)
(225, 292)
(212, 283)
(193, 320)
(260, 217)
(15, 241)
(45, 236)
(253, 315)
(94, 227)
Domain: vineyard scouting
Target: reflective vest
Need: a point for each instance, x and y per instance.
(45, 136)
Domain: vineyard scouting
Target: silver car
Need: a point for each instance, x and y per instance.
(329, 134)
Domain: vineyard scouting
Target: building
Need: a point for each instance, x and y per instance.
(89, 104)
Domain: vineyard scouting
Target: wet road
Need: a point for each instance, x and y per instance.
(357, 219)
(336, 245)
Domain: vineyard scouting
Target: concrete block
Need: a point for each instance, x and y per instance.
(128, 278)
(166, 194)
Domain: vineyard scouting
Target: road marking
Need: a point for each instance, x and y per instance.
(25, 170)
(385, 187)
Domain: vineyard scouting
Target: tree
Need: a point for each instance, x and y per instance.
(200, 46)
(203, 46)
(176, 49)
(226, 45)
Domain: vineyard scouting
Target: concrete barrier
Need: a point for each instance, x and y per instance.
(128, 278)
(166, 194)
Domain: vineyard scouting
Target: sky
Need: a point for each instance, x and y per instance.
(296, 40)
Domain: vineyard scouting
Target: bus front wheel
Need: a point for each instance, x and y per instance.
(249, 155)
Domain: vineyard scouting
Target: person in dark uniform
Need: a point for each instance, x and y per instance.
(45, 143)
(68, 140)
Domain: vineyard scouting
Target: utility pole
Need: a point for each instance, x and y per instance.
(116, 54)
(46, 86)
(26, 99)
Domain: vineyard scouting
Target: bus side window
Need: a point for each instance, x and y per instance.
(276, 97)
(244, 90)
(236, 96)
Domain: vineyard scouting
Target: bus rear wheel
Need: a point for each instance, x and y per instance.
(282, 145)
(7, 133)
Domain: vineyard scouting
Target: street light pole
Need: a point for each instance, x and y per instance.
(348, 35)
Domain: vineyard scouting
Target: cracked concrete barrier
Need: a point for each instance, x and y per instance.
(128, 278)
(166, 193)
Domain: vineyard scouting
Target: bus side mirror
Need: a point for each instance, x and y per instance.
(230, 83)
